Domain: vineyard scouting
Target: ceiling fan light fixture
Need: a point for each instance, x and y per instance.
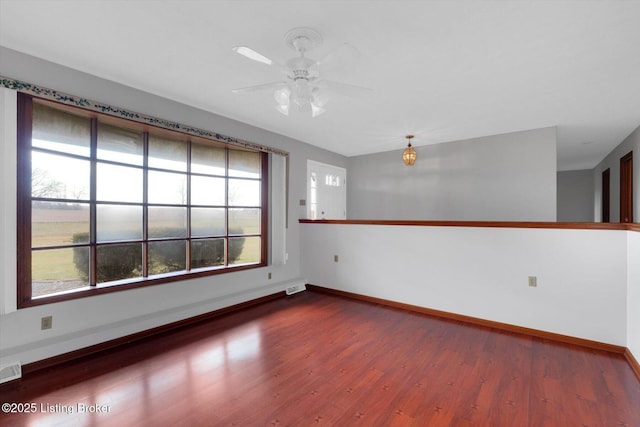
(283, 109)
(302, 103)
(320, 98)
(409, 154)
(301, 93)
(316, 110)
(282, 96)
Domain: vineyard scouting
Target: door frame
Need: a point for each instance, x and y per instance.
(626, 188)
(606, 195)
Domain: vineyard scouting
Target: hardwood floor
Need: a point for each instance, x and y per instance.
(317, 359)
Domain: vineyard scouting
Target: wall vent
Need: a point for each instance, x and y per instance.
(293, 289)
(10, 372)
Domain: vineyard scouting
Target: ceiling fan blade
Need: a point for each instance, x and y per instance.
(265, 86)
(339, 57)
(247, 52)
(343, 88)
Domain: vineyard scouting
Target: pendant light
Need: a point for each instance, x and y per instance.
(409, 154)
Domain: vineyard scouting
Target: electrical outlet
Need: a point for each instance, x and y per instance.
(269, 275)
(46, 322)
(335, 258)
(533, 281)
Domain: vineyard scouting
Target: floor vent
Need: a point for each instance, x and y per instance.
(294, 289)
(10, 372)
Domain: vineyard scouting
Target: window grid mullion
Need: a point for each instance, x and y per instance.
(188, 201)
(145, 204)
(93, 188)
(226, 207)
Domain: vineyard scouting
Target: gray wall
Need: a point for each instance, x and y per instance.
(508, 177)
(87, 321)
(612, 161)
(575, 196)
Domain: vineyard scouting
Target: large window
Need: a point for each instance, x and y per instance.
(106, 204)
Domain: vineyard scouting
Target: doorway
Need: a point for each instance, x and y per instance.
(606, 195)
(626, 188)
(326, 191)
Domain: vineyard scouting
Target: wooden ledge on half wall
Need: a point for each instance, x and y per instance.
(486, 224)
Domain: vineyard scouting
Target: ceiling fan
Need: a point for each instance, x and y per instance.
(302, 88)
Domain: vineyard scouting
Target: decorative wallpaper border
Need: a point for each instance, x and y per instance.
(54, 95)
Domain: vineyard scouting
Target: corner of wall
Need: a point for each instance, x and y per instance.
(633, 293)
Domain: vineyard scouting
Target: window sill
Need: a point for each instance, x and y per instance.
(121, 285)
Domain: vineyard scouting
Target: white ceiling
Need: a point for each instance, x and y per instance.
(442, 70)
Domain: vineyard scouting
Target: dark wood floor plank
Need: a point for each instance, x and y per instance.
(318, 359)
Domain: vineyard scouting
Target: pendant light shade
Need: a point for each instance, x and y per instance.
(409, 154)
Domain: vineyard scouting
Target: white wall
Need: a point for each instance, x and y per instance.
(575, 196)
(483, 272)
(633, 297)
(509, 177)
(612, 161)
(86, 321)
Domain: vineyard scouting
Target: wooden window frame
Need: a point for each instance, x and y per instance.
(24, 206)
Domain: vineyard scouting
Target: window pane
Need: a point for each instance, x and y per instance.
(167, 187)
(116, 222)
(207, 253)
(207, 191)
(59, 177)
(56, 270)
(167, 222)
(207, 159)
(207, 222)
(119, 183)
(244, 164)
(119, 145)
(244, 250)
(59, 223)
(243, 192)
(165, 257)
(244, 221)
(167, 153)
(117, 262)
(61, 131)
